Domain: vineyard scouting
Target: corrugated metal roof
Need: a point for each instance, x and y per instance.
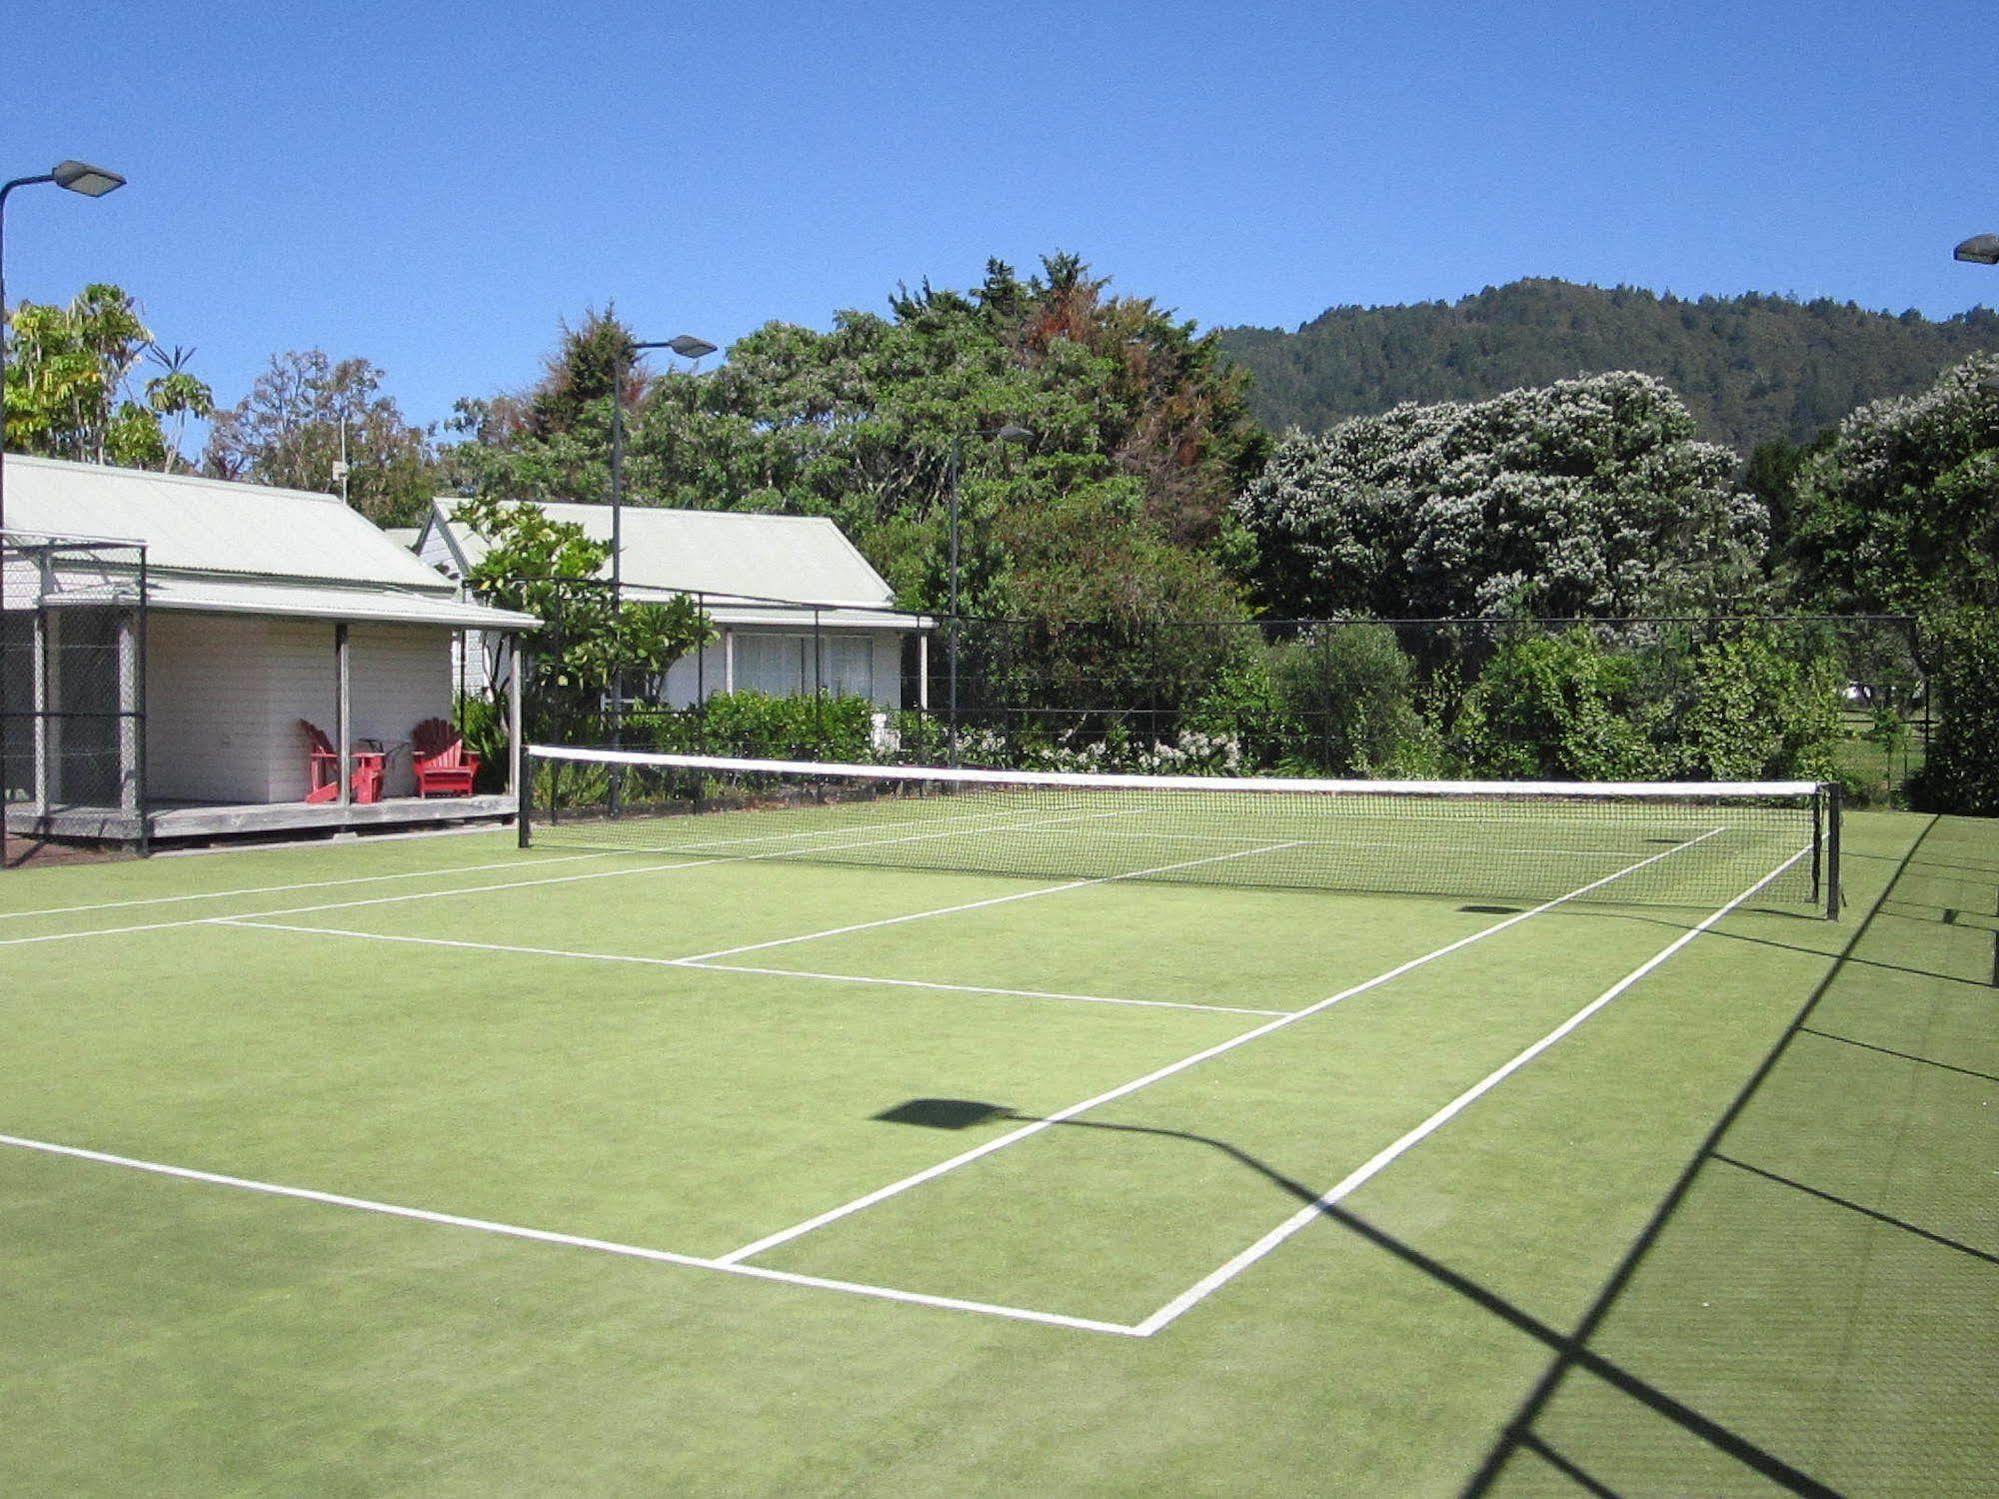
(219, 596)
(198, 525)
(806, 558)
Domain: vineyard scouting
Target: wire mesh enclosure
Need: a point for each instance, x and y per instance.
(1659, 698)
(72, 686)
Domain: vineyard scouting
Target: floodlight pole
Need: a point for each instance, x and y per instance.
(92, 182)
(687, 346)
(1010, 433)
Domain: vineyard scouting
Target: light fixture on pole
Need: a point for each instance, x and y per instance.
(1980, 249)
(92, 182)
(687, 346)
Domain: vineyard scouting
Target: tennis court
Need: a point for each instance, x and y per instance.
(1011, 1144)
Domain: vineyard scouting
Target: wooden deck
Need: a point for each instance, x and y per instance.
(173, 821)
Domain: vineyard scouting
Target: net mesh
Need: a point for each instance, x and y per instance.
(1683, 844)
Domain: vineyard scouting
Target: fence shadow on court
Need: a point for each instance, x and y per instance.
(960, 1113)
(1575, 1351)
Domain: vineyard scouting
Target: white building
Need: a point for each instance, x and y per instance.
(262, 607)
(795, 605)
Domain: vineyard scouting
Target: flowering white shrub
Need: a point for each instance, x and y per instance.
(1588, 497)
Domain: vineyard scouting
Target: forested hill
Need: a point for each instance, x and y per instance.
(1752, 368)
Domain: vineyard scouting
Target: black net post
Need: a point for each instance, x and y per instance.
(1832, 832)
(1818, 844)
(523, 764)
(140, 800)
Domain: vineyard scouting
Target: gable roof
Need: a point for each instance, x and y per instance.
(230, 543)
(801, 559)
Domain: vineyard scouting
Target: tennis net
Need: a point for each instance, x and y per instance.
(1677, 843)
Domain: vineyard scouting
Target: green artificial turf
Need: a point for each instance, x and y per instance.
(1760, 1180)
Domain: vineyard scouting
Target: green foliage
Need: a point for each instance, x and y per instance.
(550, 569)
(1567, 707)
(1139, 439)
(288, 432)
(1242, 704)
(1899, 513)
(1350, 691)
(1961, 773)
(1754, 369)
(1556, 707)
(762, 727)
(68, 383)
(483, 721)
(1756, 711)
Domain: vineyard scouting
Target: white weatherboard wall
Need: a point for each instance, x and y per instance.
(211, 685)
(224, 695)
(401, 676)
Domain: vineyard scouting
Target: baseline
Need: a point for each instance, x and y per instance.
(572, 1241)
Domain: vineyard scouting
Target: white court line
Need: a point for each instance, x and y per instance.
(359, 879)
(251, 923)
(980, 905)
(1402, 845)
(868, 978)
(572, 1241)
(1221, 1276)
(562, 879)
(1012, 1137)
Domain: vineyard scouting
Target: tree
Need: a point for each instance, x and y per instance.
(177, 394)
(1961, 772)
(859, 423)
(551, 441)
(551, 569)
(1899, 513)
(1113, 514)
(68, 383)
(288, 431)
(1753, 369)
(1586, 498)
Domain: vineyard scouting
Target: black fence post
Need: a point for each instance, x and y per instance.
(140, 800)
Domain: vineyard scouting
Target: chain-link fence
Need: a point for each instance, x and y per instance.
(72, 688)
(1667, 696)
(1664, 697)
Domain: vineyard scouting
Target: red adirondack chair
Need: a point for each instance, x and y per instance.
(444, 767)
(323, 768)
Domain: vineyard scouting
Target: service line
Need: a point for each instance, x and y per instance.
(1027, 1131)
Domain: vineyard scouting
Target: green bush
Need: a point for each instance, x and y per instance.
(484, 723)
(1557, 707)
(1756, 712)
(1348, 693)
(1961, 773)
(758, 726)
(1242, 705)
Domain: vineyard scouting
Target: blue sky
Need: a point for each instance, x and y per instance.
(434, 185)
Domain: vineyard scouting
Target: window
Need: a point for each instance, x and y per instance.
(780, 665)
(850, 665)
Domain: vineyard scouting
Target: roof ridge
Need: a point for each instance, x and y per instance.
(123, 471)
